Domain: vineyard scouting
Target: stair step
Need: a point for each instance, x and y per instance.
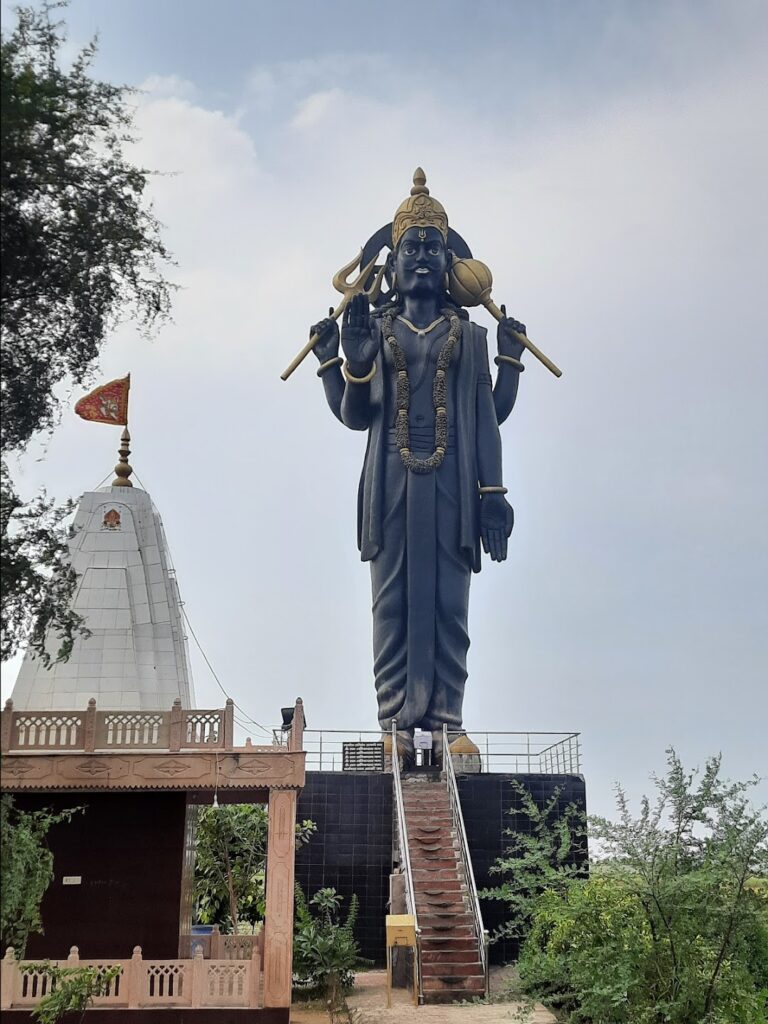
(451, 956)
(450, 971)
(469, 982)
(455, 943)
(450, 886)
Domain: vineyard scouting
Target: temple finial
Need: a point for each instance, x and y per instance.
(123, 470)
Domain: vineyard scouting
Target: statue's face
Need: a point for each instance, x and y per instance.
(421, 260)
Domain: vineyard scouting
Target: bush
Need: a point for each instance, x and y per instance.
(672, 927)
(325, 952)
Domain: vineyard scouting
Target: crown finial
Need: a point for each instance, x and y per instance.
(419, 210)
(419, 183)
(123, 470)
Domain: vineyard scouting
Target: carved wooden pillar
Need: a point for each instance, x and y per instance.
(278, 920)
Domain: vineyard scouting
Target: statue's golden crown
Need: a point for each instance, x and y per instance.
(419, 210)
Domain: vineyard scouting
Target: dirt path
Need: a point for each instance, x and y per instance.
(369, 999)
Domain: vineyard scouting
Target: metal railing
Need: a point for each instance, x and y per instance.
(531, 753)
(466, 858)
(401, 843)
(325, 747)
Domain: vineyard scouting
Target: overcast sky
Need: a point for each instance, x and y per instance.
(608, 161)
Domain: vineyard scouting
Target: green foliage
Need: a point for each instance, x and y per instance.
(36, 576)
(73, 988)
(81, 252)
(325, 952)
(230, 860)
(546, 853)
(672, 926)
(27, 869)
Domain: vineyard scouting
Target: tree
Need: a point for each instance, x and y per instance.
(230, 861)
(27, 869)
(81, 252)
(672, 925)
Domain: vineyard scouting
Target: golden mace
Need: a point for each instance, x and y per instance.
(470, 283)
(348, 289)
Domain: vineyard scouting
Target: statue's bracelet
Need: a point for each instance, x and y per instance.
(511, 360)
(336, 361)
(494, 489)
(358, 380)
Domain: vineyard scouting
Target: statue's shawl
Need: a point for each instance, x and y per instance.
(470, 366)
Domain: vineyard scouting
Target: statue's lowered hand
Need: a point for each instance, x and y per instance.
(496, 521)
(328, 345)
(357, 339)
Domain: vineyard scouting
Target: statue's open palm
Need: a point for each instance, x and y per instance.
(496, 522)
(357, 340)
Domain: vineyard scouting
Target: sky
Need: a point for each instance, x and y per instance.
(608, 162)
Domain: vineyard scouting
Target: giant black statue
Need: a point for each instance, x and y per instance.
(417, 379)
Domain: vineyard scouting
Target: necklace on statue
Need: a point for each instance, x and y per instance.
(439, 394)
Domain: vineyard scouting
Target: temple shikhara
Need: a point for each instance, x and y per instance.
(136, 657)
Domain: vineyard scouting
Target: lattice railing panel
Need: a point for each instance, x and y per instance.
(48, 729)
(132, 729)
(166, 982)
(203, 728)
(227, 984)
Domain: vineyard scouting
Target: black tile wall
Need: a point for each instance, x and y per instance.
(487, 802)
(352, 848)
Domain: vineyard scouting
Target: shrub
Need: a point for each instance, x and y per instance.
(325, 952)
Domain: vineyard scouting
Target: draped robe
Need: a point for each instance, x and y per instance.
(420, 532)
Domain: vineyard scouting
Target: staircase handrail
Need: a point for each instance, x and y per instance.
(461, 832)
(405, 856)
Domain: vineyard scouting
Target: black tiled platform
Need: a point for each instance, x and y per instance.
(352, 849)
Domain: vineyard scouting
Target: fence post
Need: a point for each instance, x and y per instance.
(89, 738)
(198, 978)
(135, 979)
(9, 974)
(174, 742)
(74, 957)
(229, 724)
(296, 738)
(216, 943)
(7, 718)
(254, 977)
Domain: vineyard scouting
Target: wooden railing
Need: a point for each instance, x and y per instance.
(144, 984)
(86, 731)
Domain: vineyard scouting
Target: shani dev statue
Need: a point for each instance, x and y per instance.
(416, 378)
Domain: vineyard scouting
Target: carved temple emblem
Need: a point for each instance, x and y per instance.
(171, 768)
(111, 520)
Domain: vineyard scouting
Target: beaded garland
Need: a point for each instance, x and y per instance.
(439, 395)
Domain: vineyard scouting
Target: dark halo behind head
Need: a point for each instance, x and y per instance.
(383, 238)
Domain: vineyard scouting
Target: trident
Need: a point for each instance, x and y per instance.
(348, 289)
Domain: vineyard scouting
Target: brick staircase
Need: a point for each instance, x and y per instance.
(450, 959)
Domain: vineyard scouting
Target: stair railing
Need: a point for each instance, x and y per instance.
(466, 859)
(401, 840)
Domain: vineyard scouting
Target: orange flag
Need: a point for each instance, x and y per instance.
(107, 404)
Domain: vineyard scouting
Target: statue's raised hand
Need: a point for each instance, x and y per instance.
(328, 345)
(360, 346)
(496, 522)
(508, 344)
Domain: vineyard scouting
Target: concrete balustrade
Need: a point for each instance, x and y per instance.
(145, 984)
